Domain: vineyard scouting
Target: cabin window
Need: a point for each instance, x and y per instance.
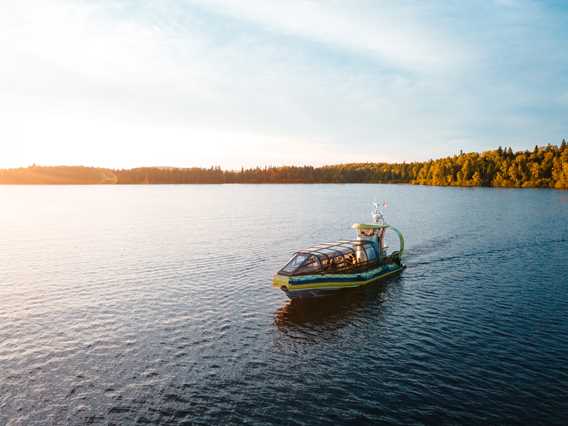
(371, 253)
(334, 264)
(311, 265)
(350, 260)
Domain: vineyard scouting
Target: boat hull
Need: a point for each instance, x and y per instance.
(308, 286)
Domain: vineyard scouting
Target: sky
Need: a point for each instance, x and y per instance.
(185, 83)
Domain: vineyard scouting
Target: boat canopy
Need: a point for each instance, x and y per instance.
(340, 257)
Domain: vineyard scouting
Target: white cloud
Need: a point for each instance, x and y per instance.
(392, 34)
(243, 83)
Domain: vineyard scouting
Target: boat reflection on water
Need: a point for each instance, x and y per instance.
(333, 312)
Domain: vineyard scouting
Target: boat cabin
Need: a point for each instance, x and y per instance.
(342, 257)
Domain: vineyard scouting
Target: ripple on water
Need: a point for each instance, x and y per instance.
(158, 308)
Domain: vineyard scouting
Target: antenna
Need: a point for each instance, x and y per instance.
(377, 215)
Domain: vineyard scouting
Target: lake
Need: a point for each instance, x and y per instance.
(144, 304)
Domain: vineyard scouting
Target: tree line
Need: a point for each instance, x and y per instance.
(542, 167)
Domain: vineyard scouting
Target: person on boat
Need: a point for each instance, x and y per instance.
(332, 266)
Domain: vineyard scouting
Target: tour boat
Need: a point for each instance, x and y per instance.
(325, 269)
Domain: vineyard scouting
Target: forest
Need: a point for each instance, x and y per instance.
(543, 167)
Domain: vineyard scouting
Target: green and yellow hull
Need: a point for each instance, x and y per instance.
(329, 284)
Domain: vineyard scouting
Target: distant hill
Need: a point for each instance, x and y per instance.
(543, 167)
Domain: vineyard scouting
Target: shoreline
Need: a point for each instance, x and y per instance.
(277, 184)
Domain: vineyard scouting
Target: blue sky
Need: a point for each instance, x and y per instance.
(242, 83)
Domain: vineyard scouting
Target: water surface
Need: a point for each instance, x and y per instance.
(137, 304)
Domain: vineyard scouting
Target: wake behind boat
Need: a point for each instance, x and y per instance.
(327, 268)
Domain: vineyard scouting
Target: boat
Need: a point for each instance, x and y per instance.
(329, 268)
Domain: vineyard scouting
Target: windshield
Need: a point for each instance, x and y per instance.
(302, 264)
(295, 263)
